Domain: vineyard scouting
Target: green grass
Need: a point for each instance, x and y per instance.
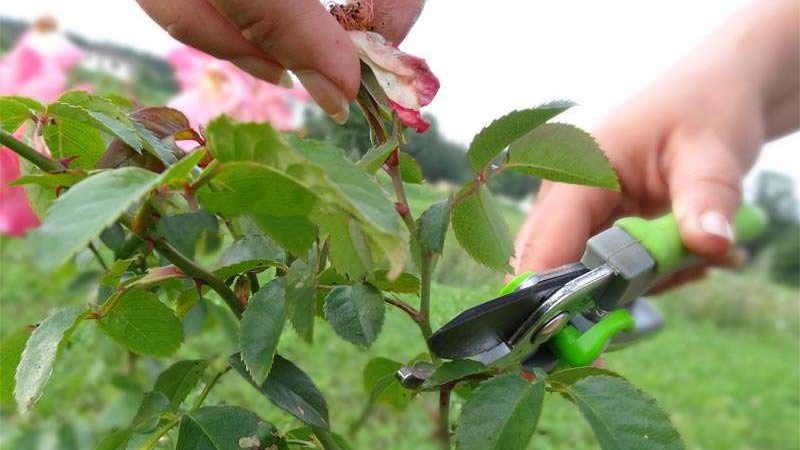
(726, 366)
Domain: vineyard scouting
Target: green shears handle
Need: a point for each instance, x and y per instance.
(661, 238)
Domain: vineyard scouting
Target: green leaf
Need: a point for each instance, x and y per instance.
(355, 192)
(572, 375)
(501, 414)
(186, 232)
(277, 203)
(10, 353)
(84, 211)
(480, 229)
(498, 135)
(225, 428)
(348, 250)
(290, 389)
(143, 324)
(451, 371)
(14, 111)
(67, 137)
(249, 253)
(410, 171)
(178, 380)
(564, 153)
(116, 440)
(36, 363)
(52, 180)
(621, 416)
(381, 384)
(356, 313)
(114, 273)
(147, 416)
(433, 225)
(301, 295)
(374, 158)
(256, 142)
(262, 323)
(406, 283)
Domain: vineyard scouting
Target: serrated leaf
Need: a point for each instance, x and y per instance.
(380, 383)
(356, 313)
(502, 414)
(498, 135)
(290, 389)
(433, 224)
(92, 205)
(348, 250)
(143, 324)
(621, 416)
(36, 363)
(277, 203)
(165, 122)
(11, 349)
(225, 428)
(410, 171)
(262, 323)
(374, 158)
(52, 180)
(96, 111)
(14, 111)
(301, 294)
(67, 137)
(186, 232)
(451, 371)
(249, 253)
(480, 229)
(178, 380)
(114, 273)
(564, 153)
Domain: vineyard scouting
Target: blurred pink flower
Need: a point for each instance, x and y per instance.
(36, 67)
(210, 87)
(408, 82)
(38, 64)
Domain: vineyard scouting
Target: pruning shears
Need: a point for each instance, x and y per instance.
(571, 315)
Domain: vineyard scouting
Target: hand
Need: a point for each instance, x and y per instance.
(267, 37)
(683, 143)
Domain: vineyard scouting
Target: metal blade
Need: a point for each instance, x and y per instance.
(485, 326)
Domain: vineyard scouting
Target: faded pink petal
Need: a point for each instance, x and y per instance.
(407, 80)
(16, 215)
(210, 87)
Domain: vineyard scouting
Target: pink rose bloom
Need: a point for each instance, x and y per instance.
(36, 67)
(408, 82)
(38, 64)
(210, 87)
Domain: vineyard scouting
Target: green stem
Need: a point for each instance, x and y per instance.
(444, 416)
(153, 441)
(26, 151)
(98, 256)
(193, 270)
(326, 439)
(426, 272)
(206, 390)
(362, 418)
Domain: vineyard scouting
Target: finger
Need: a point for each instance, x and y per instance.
(197, 24)
(563, 218)
(305, 38)
(705, 186)
(394, 18)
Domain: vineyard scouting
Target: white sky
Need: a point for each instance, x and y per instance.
(492, 57)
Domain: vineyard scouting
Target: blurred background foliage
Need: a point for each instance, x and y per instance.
(726, 366)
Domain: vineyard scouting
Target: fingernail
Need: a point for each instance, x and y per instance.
(259, 68)
(713, 222)
(327, 95)
(286, 81)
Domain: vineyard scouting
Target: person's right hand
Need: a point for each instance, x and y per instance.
(267, 37)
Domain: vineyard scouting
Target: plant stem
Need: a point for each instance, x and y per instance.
(362, 418)
(26, 151)
(405, 307)
(153, 441)
(193, 270)
(98, 256)
(444, 415)
(206, 390)
(326, 439)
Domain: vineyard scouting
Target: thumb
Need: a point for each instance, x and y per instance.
(705, 179)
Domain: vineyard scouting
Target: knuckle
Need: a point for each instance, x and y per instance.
(178, 29)
(261, 30)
